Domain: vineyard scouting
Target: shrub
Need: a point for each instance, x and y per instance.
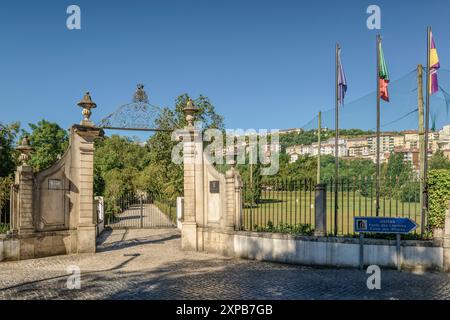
(4, 228)
(439, 196)
(294, 229)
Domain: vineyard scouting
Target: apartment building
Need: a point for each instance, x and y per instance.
(386, 143)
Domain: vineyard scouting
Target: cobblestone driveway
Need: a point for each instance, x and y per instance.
(148, 264)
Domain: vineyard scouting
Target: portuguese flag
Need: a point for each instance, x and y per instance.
(383, 77)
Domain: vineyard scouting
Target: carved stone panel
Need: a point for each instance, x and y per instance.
(53, 202)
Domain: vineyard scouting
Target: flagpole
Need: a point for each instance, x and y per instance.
(421, 141)
(427, 126)
(319, 138)
(336, 154)
(378, 129)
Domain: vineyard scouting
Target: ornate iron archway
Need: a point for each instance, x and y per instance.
(139, 115)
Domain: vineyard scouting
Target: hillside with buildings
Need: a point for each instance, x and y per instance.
(364, 146)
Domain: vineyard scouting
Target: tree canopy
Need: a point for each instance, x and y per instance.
(124, 165)
(8, 155)
(49, 141)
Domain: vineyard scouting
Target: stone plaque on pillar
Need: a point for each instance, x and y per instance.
(55, 184)
(214, 186)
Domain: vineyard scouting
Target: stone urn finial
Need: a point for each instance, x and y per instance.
(87, 104)
(140, 95)
(25, 151)
(189, 110)
(232, 157)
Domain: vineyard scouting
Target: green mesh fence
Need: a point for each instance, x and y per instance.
(399, 114)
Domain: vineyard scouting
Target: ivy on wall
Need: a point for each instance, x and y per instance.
(439, 197)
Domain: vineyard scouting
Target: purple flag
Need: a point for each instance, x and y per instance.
(434, 66)
(342, 81)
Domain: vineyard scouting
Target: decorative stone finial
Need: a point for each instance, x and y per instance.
(189, 110)
(25, 151)
(87, 104)
(140, 95)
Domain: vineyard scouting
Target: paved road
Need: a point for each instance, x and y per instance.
(152, 217)
(148, 264)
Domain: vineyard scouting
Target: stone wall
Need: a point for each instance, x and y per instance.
(53, 211)
(335, 251)
(212, 201)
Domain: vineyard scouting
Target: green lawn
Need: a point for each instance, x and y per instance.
(297, 207)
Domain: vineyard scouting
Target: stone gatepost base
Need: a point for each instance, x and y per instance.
(86, 239)
(189, 236)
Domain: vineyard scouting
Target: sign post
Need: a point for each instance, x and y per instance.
(399, 257)
(396, 226)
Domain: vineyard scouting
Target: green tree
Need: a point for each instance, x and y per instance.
(123, 165)
(304, 168)
(8, 162)
(8, 154)
(397, 177)
(49, 141)
(206, 114)
(161, 144)
(439, 161)
(117, 153)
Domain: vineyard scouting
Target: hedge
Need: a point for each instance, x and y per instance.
(438, 197)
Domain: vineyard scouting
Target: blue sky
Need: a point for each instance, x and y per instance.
(264, 64)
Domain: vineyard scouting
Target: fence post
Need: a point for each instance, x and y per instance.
(320, 210)
(142, 210)
(179, 216)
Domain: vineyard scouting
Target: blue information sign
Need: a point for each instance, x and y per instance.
(383, 225)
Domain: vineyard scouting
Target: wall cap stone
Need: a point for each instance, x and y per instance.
(40, 234)
(367, 241)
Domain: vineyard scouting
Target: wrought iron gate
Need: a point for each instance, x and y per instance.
(140, 211)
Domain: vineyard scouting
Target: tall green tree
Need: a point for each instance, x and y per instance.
(170, 175)
(123, 165)
(8, 154)
(397, 177)
(439, 161)
(117, 154)
(49, 141)
(8, 162)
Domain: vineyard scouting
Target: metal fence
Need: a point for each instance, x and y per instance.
(142, 210)
(290, 202)
(278, 202)
(357, 197)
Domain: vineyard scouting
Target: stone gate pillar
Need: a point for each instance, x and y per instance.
(83, 168)
(83, 137)
(238, 202)
(23, 222)
(53, 210)
(189, 224)
(230, 177)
